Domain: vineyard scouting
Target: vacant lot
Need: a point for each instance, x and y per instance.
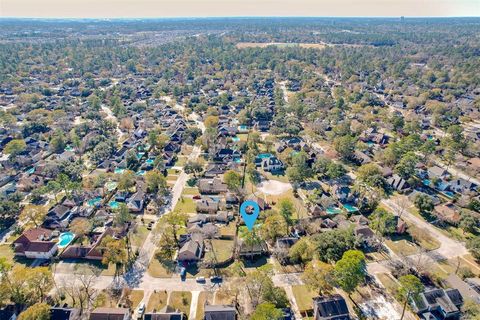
(181, 300)
(157, 301)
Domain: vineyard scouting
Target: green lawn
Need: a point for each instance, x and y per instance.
(303, 297)
(423, 238)
(7, 252)
(181, 300)
(180, 161)
(191, 191)
(221, 250)
(161, 269)
(133, 298)
(138, 237)
(388, 282)
(185, 205)
(157, 301)
(402, 247)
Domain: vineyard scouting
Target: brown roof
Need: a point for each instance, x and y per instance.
(34, 240)
(109, 314)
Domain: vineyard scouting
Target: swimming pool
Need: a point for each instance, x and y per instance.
(93, 202)
(140, 173)
(114, 204)
(119, 170)
(140, 155)
(243, 128)
(236, 139)
(64, 239)
(350, 208)
(264, 155)
(149, 161)
(333, 210)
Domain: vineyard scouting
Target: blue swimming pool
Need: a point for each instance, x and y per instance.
(119, 171)
(140, 173)
(149, 161)
(333, 210)
(236, 139)
(114, 204)
(243, 127)
(350, 208)
(93, 202)
(264, 155)
(64, 239)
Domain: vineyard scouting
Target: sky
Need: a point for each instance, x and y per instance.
(223, 8)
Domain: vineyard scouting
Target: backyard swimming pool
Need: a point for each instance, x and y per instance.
(64, 239)
(236, 139)
(93, 202)
(264, 155)
(350, 208)
(333, 210)
(114, 204)
(119, 170)
(140, 173)
(149, 161)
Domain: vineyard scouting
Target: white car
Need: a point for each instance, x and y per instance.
(200, 279)
(140, 310)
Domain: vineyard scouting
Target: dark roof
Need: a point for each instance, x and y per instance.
(331, 307)
(220, 312)
(109, 314)
(64, 314)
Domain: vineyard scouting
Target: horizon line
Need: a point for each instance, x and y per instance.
(235, 17)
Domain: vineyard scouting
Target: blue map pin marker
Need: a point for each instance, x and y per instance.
(249, 217)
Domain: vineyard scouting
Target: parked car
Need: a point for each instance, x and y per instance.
(197, 197)
(216, 279)
(140, 310)
(183, 273)
(200, 279)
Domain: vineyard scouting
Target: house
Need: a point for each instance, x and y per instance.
(285, 242)
(447, 212)
(8, 312)
(251, 250)
(212, 186)
(207, 205)
(440, 303)
(35, 244)
(437, 172)
(192, 250)
(462, 186)
(220, 312)
(271, 164)
(262, 204)
(331, 307)
(166, 313)
(110, 314)
(136, 201)
(226, 155)
(398, 183)
(59, 313)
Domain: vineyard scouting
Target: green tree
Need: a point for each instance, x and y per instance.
(410, 288)
(371, 175)
(38, 311)
(473, 246)
(383, 221)
(126, 180)
(266, 311)
(406, 166)
(345, 146)
(350, 271)
(469, 223)
(155, 181)
(273, 227)
(15, 147)
(423, 203)
(302, 251)
(233, 180)
(318, 276)
(286, 210)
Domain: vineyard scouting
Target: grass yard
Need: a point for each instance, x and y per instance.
(465, 263)
(388, 282)
(157, 301)
(299, 208)
(223, 297)
(303, 297)
(180, 161)
(172, 171)
(202, 298)
(402, 247)
(172, 178)
(220, 251)
(161, 269)
(139, 236)
(242, 136)
(181, 300)
(132, 298)
(190, 191)
(104, 299)
(6, 252)
(289, 268)
(423, 238)
(185, 205)
(228, 231)
(84, 267)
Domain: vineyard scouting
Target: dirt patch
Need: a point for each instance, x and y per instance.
(273, 187)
